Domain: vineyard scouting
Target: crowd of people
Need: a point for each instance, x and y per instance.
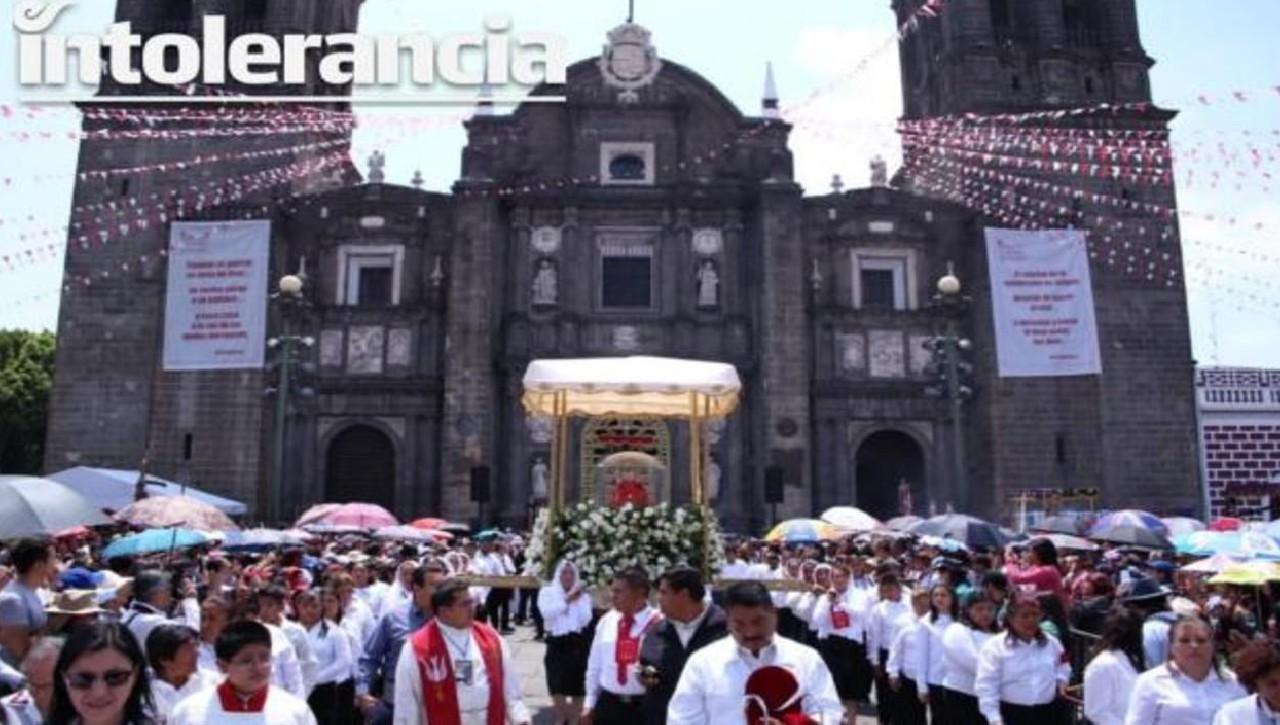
(344, 629)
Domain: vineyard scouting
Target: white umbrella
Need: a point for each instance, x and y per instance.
(1213, 564)
(850, 519)
(31, 506)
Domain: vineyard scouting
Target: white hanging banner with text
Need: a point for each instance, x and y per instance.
(216, 303)
(1042, 303)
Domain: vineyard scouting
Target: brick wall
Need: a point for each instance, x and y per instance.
(1240, 462)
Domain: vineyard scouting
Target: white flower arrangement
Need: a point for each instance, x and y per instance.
(603, 541)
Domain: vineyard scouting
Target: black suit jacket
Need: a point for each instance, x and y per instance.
(662, 650)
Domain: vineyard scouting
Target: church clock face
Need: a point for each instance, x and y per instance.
(707, 242)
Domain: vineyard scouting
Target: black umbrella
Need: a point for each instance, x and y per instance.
(1130, 535)
(1059, 525)
(972, 532)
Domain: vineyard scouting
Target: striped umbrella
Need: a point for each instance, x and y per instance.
(797, 531)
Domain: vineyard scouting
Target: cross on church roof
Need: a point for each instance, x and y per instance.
(631, 11)
(837, 184)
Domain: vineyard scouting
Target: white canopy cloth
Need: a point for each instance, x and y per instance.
(631, 386)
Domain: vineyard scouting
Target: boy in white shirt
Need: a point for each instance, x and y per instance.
(246, 695)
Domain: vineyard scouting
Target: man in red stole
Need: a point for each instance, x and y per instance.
(455, 670)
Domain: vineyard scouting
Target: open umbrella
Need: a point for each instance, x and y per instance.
(1181, 526)
(1069, 525)
(902, 523)
(1250, 574)
(796, 531)
(32, 506)
(153, 541)
(161, 512)
(850, 519)
(1130, 535)
(314, 513)
(1213, 565)
(1226, 524)
(359, 515)
(1067, 542)
(1129, 517)
(428, 524)
(255, 540)
(408, 533)
(972, 532)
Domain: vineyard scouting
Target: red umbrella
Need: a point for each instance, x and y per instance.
(428, 524)
(358, 515)
(1226, 524)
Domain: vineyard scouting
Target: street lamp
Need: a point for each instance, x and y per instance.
(289, 297)
(951, 368)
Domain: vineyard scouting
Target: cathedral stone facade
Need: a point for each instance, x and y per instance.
(646, 215)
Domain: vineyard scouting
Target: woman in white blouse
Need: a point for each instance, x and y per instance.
(1022, 673)
(961, 643)
(1190, 688)
(565, 605)
(334, 693)
(1109, 677)
(942, 614)
(1258, 667)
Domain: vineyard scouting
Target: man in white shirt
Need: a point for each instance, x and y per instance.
(460, 666)
(614, 689)
(152, 597)
(712, 688)
(368, 589)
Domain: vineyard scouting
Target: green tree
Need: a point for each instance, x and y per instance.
(26, 376)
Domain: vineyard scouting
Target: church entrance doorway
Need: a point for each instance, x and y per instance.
(361, 466)
(884, 460)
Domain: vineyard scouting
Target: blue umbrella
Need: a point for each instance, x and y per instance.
(154, 541)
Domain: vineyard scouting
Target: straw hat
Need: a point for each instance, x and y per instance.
(74, 601)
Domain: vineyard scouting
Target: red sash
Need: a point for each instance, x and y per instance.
(440, 689)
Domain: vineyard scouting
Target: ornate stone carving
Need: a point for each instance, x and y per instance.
(331, 348)
(708, 285)
(541, 428)
(879, 171)
(545, 239)
(707, 241)
(887, 358)
(539, 480)
(629, 62)
(399, 347)
(851, 353)
(626, 338)
(919, 356)
(377, 167)
(364, 350)
(546, 287)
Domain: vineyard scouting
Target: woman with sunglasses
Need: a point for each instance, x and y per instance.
(100, 679)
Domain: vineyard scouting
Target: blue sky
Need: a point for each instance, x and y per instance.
(1201, 46)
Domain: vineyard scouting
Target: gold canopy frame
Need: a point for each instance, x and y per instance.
(692, 390)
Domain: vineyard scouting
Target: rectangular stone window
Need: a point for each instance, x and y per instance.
(882, 282)
(370, 276)
(626, 282)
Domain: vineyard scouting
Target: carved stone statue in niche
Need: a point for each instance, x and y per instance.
(545, 285)
(711, 480)
(708, 285)
(539, 479)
